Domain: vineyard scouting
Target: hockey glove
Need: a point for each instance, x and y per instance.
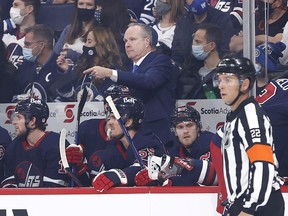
(107, 179)
(142, 178)
(74, 153)
(164, 167)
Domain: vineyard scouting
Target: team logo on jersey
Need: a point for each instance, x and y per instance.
(36, 90)
(15, 54)
(95, 160)
(28, 175)
(91, 88)
(2, 152)
(68, 110)
(9, 112)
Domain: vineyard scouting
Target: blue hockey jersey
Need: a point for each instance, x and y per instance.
(34, 167)
(274, 100)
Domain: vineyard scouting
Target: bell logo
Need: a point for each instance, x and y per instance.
(9, 112)
(68, 110)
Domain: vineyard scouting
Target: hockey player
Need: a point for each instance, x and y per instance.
(93, 139)
(192, 148)
(32, 159)
(119, 157)
(273, 96)
(249, 162)
(5, 139)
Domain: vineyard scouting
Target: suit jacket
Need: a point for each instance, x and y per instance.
(154, 82)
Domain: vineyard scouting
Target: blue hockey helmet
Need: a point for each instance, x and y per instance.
(130, 107)
(116, 91)
(33, 107)
(186, 113)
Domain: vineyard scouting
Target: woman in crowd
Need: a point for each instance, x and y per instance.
(100, 49)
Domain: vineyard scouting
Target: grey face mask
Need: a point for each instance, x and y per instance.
(162, 8)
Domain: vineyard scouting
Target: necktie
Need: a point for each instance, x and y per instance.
(134, 68)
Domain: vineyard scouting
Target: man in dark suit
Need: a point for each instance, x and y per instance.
(152, 79)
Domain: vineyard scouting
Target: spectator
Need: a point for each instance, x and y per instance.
(284, 39)
(71, 39)
(278, 17)
(93, 142)
(113, 14)
(199, 69)
(23, 13)
(33, 158)
(265, 71)
(8, 83)
(119, 160)
(233, 8)
(167, 13)
(153, 81)
(38, 75)
(249, 162)
(141, 10)
(192, 148)
(199, 12)
(5, 140)
(100, 49)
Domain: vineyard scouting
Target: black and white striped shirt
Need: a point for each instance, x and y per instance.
(248, 156)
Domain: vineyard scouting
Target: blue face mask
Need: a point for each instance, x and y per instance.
(198, 52)
(27, 54)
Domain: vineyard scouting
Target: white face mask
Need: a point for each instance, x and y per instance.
(15, 15)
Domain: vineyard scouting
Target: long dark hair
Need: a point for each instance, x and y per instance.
(108, 54)
(76, 29)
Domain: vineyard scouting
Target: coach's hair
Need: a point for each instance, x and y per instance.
(147, 32)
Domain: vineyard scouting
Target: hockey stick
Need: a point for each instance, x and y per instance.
(80, 109)
(64, 160)
(126, 134)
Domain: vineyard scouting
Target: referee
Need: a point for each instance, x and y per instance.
(249, 162)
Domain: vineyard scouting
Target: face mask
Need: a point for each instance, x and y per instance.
(198, 52)
(27, 54)
(85, 14)
(268, 6)
(15, 15)
(97, 16)
(162, 8)
(89, 51)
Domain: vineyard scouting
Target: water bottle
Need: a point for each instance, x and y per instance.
(208, 92)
